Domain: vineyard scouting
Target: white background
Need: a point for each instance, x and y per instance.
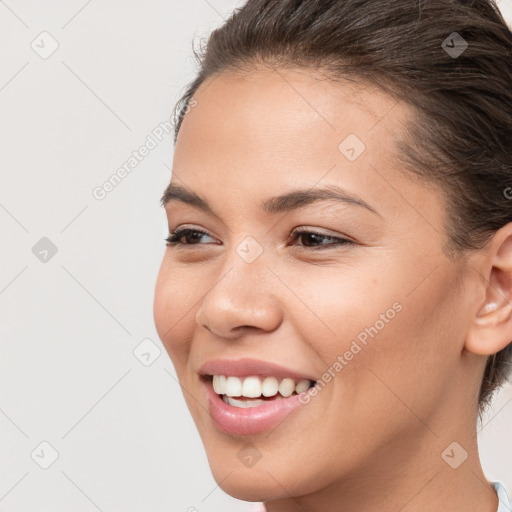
(68, 326)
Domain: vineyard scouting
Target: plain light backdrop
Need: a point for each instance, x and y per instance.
(91, 415)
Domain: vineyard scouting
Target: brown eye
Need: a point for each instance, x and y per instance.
(312, 239)
(191, 235)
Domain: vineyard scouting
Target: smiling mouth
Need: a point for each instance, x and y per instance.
(252, 391)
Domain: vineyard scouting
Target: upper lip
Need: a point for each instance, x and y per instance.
(251, 367)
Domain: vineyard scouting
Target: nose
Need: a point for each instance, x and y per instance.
(241, 299)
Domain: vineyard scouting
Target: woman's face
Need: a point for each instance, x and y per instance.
(378, 321)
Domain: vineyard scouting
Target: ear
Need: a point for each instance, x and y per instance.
(491, 330)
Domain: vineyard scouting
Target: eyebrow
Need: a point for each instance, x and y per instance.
(292, 200)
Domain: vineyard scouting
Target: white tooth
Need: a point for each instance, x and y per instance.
(269, 386)
(244, 404)
(286, 387)
(222, 384)
(302, 385)
(233, 386)
(251, 387)
(219, 384)
(216, 387)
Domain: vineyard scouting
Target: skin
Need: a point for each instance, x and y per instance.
(372, 438)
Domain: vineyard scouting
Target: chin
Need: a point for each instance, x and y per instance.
(250, 485)
(266, 480)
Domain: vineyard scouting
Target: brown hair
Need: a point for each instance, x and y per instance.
(461, 133)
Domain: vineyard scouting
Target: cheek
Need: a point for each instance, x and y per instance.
(381, 338)
(341, 307)
(173, 312)
(409, 364)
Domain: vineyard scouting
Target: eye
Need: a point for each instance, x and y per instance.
(311, 238)
(176, 236)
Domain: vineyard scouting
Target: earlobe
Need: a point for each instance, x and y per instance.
(489, 307)
(490, 332)
(491, 329)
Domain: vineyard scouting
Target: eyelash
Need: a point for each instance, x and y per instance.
(174, 237)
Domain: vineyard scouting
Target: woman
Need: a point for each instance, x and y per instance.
(335, 292)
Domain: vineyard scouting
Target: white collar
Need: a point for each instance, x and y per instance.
(504, 504)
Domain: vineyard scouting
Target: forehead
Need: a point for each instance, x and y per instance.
(256, 134)
(287, 112)
(295, 91)
(274, 98)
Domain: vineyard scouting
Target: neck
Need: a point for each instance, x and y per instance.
(417, 474)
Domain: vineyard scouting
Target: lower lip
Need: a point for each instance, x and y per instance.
(245, 421)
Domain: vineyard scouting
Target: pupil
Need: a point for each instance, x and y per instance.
(311, 236)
